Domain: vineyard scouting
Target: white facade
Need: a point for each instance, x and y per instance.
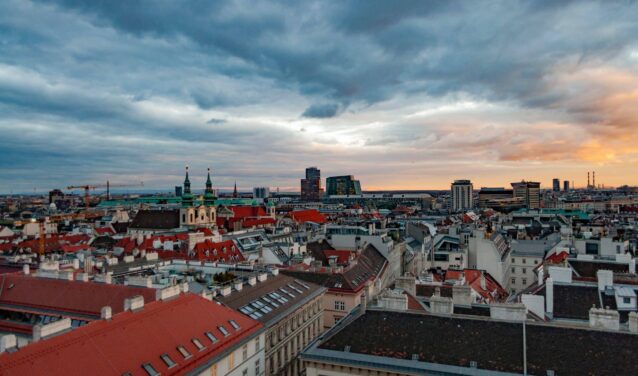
(462, 195)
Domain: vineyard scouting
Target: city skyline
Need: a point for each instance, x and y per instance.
(403, 96)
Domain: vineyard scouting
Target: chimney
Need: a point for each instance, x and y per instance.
(8, 342)
(76, 264)
(134, 304)
(440, 305)
(549, 296)
(633, 322)
(106, 313)
(252, 280)
(225, 291)
(167, 292)
(508, 311)
(185, 287)
(605, 279)
(462, 295)
(275, 271)
(43, 331)
(238, 285)
(26, 270)
(262, 277)
(603, 318)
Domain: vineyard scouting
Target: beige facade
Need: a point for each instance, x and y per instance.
(286, 339)
(337, 305)
(245, 360)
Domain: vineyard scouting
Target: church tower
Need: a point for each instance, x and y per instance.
(209, 195)
(187, 197)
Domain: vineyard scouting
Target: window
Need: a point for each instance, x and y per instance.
(257, 366)
(244, 353)
(626, 300)
(198, 344)
(513, 280)
(223, 330)
(513, 270)
(524, 270)
(212, 338)
(340, 305)
(524, 260)
(234, 324)
(524, 282)
(513, 260)
(244, 372)
(148, 367)
(257, 345)
(182, 350)
(167, 359)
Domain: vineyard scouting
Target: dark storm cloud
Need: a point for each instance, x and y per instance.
(162, 73)
(321, 111)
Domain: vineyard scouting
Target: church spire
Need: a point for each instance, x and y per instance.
(209, 183)
(235, 195)
(187, 183)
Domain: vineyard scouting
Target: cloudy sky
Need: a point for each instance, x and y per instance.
(401, 94)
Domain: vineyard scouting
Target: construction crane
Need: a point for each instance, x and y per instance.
(108, 186)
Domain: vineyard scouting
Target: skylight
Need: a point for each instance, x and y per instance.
(223, 330)
(198, 344)
(182, 350)
(148, 367)
(212, 337)
(234, 324)
(167, 359)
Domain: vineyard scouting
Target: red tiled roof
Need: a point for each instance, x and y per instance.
(223, 251)
(130, 339)
(104, 231)
(250, 222)
(83, 298)
(343, 257)
(68, 248)
(310, 215)
(248, 211)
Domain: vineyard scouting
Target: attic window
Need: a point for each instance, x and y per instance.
(198, 344)
(223, 330)
(234, 324)
(212, 337)
(182, 350)
(148, 367)
(167, 359)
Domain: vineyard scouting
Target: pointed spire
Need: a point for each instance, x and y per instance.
(187, 183)
(235, 195)
(209, 183)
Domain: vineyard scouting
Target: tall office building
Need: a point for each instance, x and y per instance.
(462, 195)
(566, 185)
(261, 192)
(529, 192)
(311, 185)
(343, 185)
(556, 185)
(490, 195)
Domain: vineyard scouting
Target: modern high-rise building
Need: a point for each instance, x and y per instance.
(566, 185)
(311, 185)
(556, 185)
(462, 195)
(261, 192)
(529, 192)
(342, 185)
(488, 195)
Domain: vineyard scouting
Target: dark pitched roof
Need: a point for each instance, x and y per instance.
(248, 294)
(588, 269)
(494, 345)
(156, 219)
(368, 265)
(574, 301)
